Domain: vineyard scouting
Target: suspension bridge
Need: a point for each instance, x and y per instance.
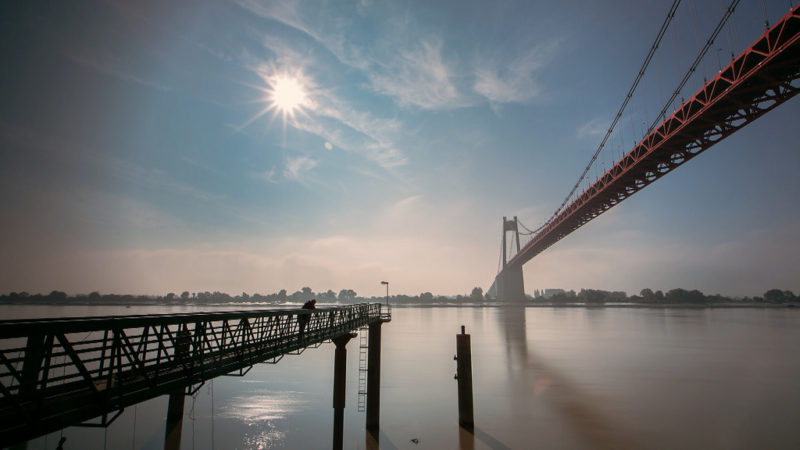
(56, 373)
(765, 75)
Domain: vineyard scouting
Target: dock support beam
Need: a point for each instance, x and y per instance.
(339, 384)
(172, 434)
(32, 364)
(172, 437)
(374, 377)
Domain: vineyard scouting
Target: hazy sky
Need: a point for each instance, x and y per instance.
(150, 147)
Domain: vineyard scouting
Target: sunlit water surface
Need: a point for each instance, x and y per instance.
(543, 378)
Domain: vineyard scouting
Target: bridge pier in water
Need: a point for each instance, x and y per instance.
(172, 433)
(508, 284)
(374, 377)
(339, 383)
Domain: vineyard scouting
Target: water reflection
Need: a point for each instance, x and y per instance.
(532, 374)
(265, 439)
(377, 439)
(263, 406)
(466, 439)
(560, 378)
(511, 319)
(262, 412)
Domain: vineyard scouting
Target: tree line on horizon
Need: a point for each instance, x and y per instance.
(349, 296)
(648, 296)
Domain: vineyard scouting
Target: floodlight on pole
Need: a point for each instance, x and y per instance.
(387, 290)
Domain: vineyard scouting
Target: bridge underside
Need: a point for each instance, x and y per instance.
(761, 78)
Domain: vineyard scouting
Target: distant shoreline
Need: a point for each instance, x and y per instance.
(428, 305)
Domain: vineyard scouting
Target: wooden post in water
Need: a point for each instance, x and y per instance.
(464, 375)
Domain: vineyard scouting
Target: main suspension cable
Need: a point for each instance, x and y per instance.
(529, 231)
(709, 43)
(639, 76)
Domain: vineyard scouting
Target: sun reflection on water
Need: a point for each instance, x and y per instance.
(265, 439)
(263, 414)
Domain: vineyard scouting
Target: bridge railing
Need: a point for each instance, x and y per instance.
(54, 372)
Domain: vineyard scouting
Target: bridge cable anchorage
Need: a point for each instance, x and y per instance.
(639, 76)
(728, 12)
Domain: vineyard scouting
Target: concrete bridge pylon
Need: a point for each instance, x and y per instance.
(509, 285)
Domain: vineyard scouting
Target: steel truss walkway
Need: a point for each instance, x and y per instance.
(56, 373)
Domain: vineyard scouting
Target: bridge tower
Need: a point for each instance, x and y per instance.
(508, 284)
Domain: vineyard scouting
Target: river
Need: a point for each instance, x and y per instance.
(550, 378)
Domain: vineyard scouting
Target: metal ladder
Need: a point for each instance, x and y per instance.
(362, 368)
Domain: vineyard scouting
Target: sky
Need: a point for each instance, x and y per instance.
(251, 146)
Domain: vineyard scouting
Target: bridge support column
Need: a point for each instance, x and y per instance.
(32, 364)
(374, 377)
(172, 438)
(172, 435)
(339, 383)
(510, 285)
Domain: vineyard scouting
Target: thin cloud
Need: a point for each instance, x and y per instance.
(150, 178)
(158, 180)
(267, 175)
(343, 127)
(297, 167)
(285, 12)
(514, 81)
(332, 118)
(419, 77)
(592, 128)
(356, 131)
(405, 203)
(326, 31)
(111, 68)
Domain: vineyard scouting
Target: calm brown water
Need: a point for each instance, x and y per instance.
(544, 378)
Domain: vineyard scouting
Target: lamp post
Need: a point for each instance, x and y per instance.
(387, 291)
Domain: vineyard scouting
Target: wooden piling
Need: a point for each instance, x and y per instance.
(464, 376)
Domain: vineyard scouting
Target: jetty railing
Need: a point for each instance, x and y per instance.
(56, 373)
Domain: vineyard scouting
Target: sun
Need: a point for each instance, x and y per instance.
(287, 94)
